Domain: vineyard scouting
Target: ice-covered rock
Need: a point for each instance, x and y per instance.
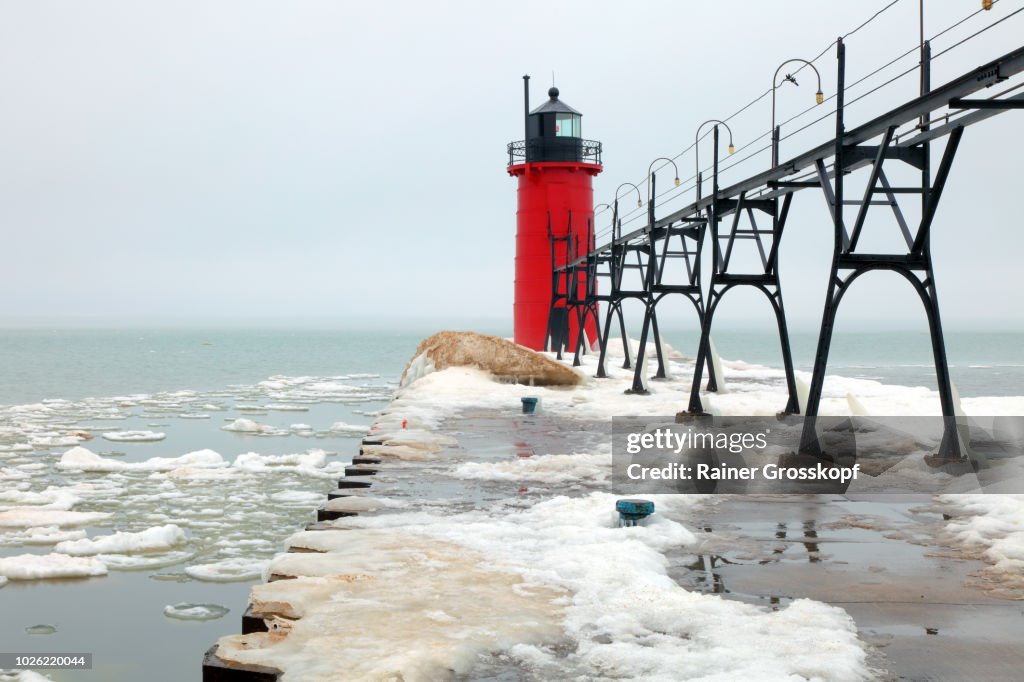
(504, 359)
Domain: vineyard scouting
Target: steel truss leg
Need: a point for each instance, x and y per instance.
(793, 405)
(614, 308)
(703, 353)
(638, 383)
(586, 311)
(907, 265)
(626, 350)
(601, 373)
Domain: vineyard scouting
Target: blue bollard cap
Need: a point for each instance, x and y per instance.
(634, 508)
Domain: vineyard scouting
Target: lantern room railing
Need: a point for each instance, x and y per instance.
(554, 149)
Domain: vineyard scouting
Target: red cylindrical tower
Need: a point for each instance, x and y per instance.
(555, 168)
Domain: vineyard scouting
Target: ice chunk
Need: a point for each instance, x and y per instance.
(83, 459)
(310, 463)
(186, 611)
(134, 436)
(30, 518)
(237, 569)
(156, 539)
(47, 535)
(45, 566)
(22, 676)
(51, 498)
(297, 497)
(342, 427)
(41, 629)
(286, 408)
(143, 562)
(243, 425)
(361, 503)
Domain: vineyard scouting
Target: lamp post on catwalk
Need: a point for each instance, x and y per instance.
(555, 168)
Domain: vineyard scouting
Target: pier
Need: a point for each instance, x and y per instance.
(922, 608)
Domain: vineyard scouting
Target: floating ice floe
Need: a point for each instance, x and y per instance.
(35, 518)
(22, 676)
(311, 463)
(228, 570)
(342, 427)
(158, 538)
(48, 566)
(243, 425)
(134, 436)
(46, 535)
(186, 611)
(297, 497)
(83, 459)
(278, 407)
(60, 499)
(54, 441)
(144, 562)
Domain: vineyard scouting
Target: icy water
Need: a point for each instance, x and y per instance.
(304, 394)
(41, 363)
(308, 392)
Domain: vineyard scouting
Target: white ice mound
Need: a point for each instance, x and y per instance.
(155, 539)
(310, 463)
(83, 459)
(134, 436)
(551, 469)
(48, 566)
(243, 425)
(992, 527)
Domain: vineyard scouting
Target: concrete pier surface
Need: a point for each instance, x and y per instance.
(917, 604)
(920, 610)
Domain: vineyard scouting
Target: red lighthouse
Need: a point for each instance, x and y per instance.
(555, 167)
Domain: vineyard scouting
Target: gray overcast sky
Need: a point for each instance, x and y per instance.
(333, 158)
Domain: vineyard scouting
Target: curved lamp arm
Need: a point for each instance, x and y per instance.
(639, 198)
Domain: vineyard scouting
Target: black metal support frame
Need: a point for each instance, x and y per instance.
(682, 242)
(766, 280)
(870, 146)
(914, 265)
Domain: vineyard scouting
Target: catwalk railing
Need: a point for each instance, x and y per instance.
(664, 255)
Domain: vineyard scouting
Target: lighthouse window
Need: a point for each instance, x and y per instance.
(567, 125)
